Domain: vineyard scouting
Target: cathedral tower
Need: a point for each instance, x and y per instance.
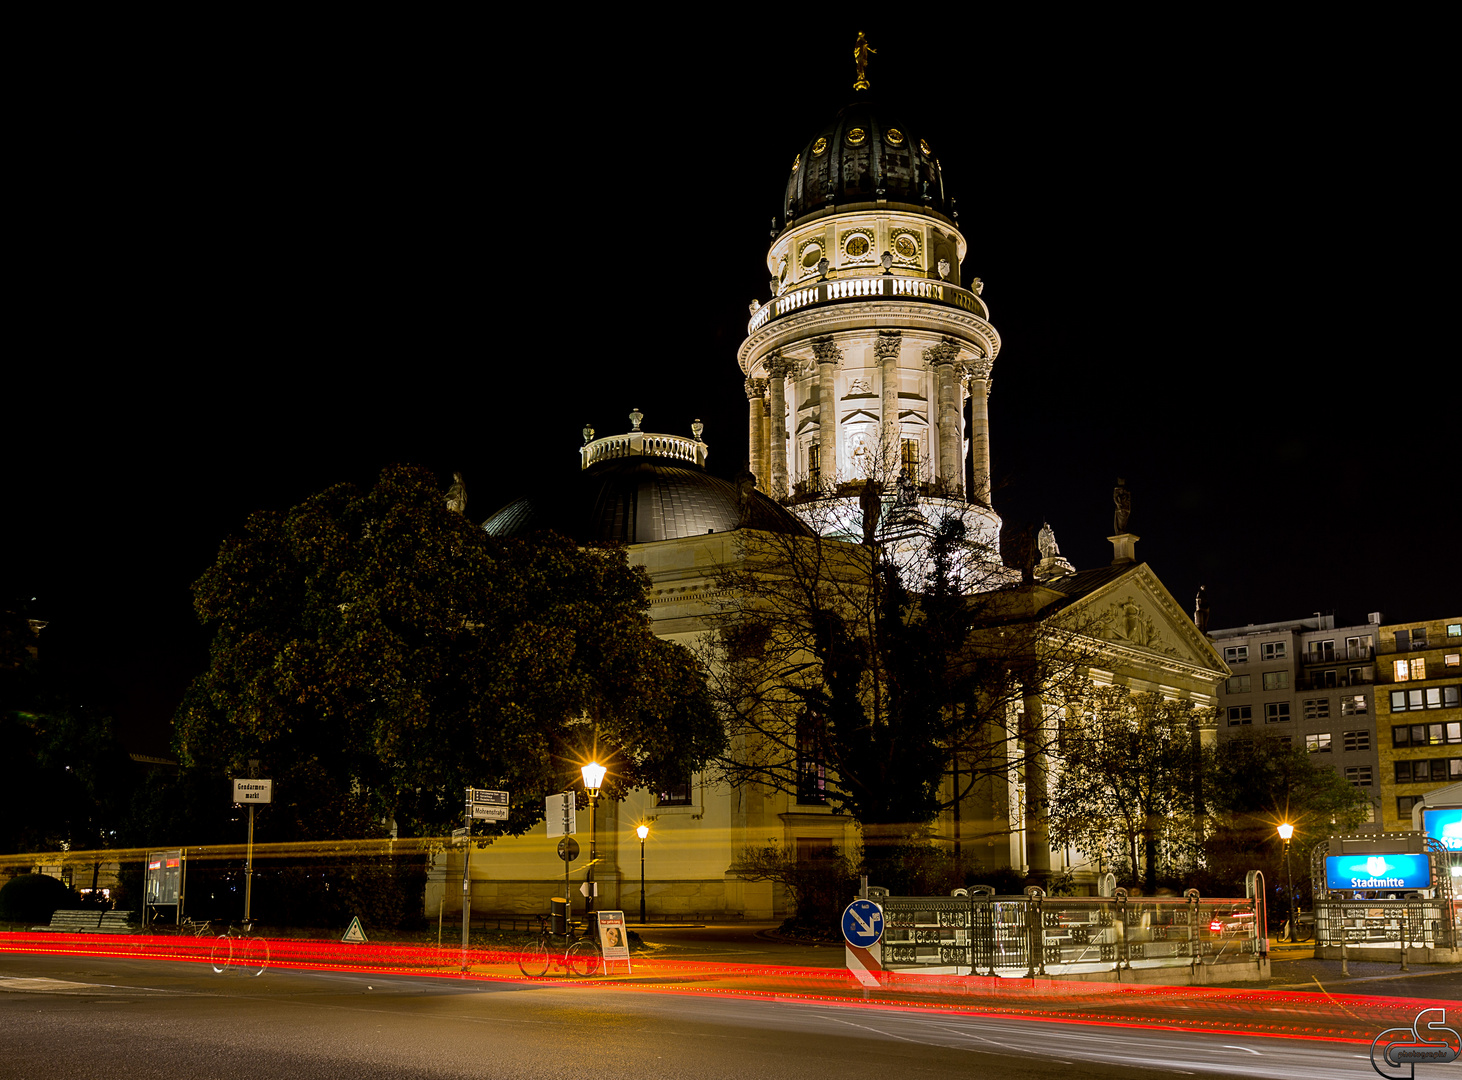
(861, 364)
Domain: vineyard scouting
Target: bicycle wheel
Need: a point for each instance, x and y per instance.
(585, 958)
(533, 956)
(223, 953)
(254, 956)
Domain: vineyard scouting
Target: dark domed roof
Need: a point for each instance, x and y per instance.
(863, 151)
(638, 500)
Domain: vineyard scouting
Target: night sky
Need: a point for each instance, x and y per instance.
(269, 268)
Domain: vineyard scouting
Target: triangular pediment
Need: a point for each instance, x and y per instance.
(1135, 617)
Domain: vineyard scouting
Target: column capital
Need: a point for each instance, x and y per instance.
(779, 366)
(756, 389)
(888, 343)
(826, 350)
(946, 352)
(977, 367)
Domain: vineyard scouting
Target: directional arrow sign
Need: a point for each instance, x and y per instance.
(863, 923)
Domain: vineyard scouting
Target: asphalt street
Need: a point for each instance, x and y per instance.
(112, 1017)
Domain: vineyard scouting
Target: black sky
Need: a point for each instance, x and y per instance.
(256, 269)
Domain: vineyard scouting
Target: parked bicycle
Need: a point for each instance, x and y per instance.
(184, 927)
(576, 953)
(240, 949)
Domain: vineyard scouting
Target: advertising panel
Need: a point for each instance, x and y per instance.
(1444, 824)
(1378, 872)
(613, 935)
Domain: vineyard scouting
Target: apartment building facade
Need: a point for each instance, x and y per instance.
(1307, 683)
(1418, 713)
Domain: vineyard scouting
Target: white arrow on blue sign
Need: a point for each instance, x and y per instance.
(863, 923)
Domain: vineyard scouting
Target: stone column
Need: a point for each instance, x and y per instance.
(1035, 737)
(886, 347)
(828, 356)
(941, 359)
(778, 368)
(979, 382)
(756, 444)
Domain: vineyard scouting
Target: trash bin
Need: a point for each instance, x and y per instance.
(558, 916)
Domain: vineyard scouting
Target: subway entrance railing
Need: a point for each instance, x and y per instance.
(973, 932)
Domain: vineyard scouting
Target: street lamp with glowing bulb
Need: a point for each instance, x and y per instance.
(593, 781)
(642, 832)
(1286, 830)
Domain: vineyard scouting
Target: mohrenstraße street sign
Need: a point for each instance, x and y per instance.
(488, 805)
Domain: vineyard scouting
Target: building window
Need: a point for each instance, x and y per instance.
(814, 468)
(1276, 680)
(1273, 650)
(1404, 803)
(1414, 669)
(1276, 712)
(1240, 714)
(1454, 629)
(1282, 740)
(1359, 775)
(676, 794)
(1403, 640)
(1239, 684)
(1426, 734)
(1418, 638)
(1353, 705)
(1236, 654)
(909, 459)
(1323, 652)
(1359, 676)
(1452, 660)
(1358, 648)
(1317, 709)
(1318, 744)
(1428, 771)
(1426, 697)
(1357, 740)
(811, 762)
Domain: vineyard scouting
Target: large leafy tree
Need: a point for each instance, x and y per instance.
(377, 653)
(884, 680)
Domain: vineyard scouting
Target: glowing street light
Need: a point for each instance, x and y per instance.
(1286, 830)
(642, 832)
(593, 781)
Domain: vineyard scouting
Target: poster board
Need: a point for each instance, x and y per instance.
(614, 938)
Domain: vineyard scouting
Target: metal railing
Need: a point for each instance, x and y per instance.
(1414, 924)
(890, 286)
(1036, 935)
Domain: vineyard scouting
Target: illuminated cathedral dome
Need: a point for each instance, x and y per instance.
(864, 155)
(638, 488)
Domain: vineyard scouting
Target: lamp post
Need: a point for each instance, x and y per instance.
(593, 781)
(642, 832)
(1286, 830)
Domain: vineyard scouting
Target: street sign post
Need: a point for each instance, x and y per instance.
(561, 814)
(487, 805)
(863, 923)
(252, 792)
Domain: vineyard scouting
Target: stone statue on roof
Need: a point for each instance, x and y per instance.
(1046, 540)
(457, 495)
(1123, 499)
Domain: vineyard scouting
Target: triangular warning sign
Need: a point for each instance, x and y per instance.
(355, 934)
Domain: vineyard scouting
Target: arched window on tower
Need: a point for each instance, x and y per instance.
(811, 761)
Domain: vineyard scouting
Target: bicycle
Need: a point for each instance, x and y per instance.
(540, 948)
(240, 949)
(184, 927)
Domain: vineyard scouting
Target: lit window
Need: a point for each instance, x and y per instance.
(1240, 714)
(1273, 650)
(909, 459)
(1452, 660)
(1353, 705)
(1359, 775)
(1357, 740)
(1276, 680)
(1317, 709)
(1454, 629)
(1276, 712)
(1236, 654)
(1318, 744)
(1418, 669)
(1239, 684)
(1400, 671)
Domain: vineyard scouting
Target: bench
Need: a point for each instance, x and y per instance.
(117, 922)
(74, 921)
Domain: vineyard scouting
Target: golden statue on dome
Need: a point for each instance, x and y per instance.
(861, 52)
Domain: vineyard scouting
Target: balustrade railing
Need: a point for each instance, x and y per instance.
(643, 444)
(891, 286)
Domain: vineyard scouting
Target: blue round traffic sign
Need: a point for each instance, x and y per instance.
(863, 923)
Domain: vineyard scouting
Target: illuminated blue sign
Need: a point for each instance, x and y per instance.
(1378, 872)
(1444, 825)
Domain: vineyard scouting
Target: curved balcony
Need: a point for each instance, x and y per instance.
(643, 444)
(888, 286)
